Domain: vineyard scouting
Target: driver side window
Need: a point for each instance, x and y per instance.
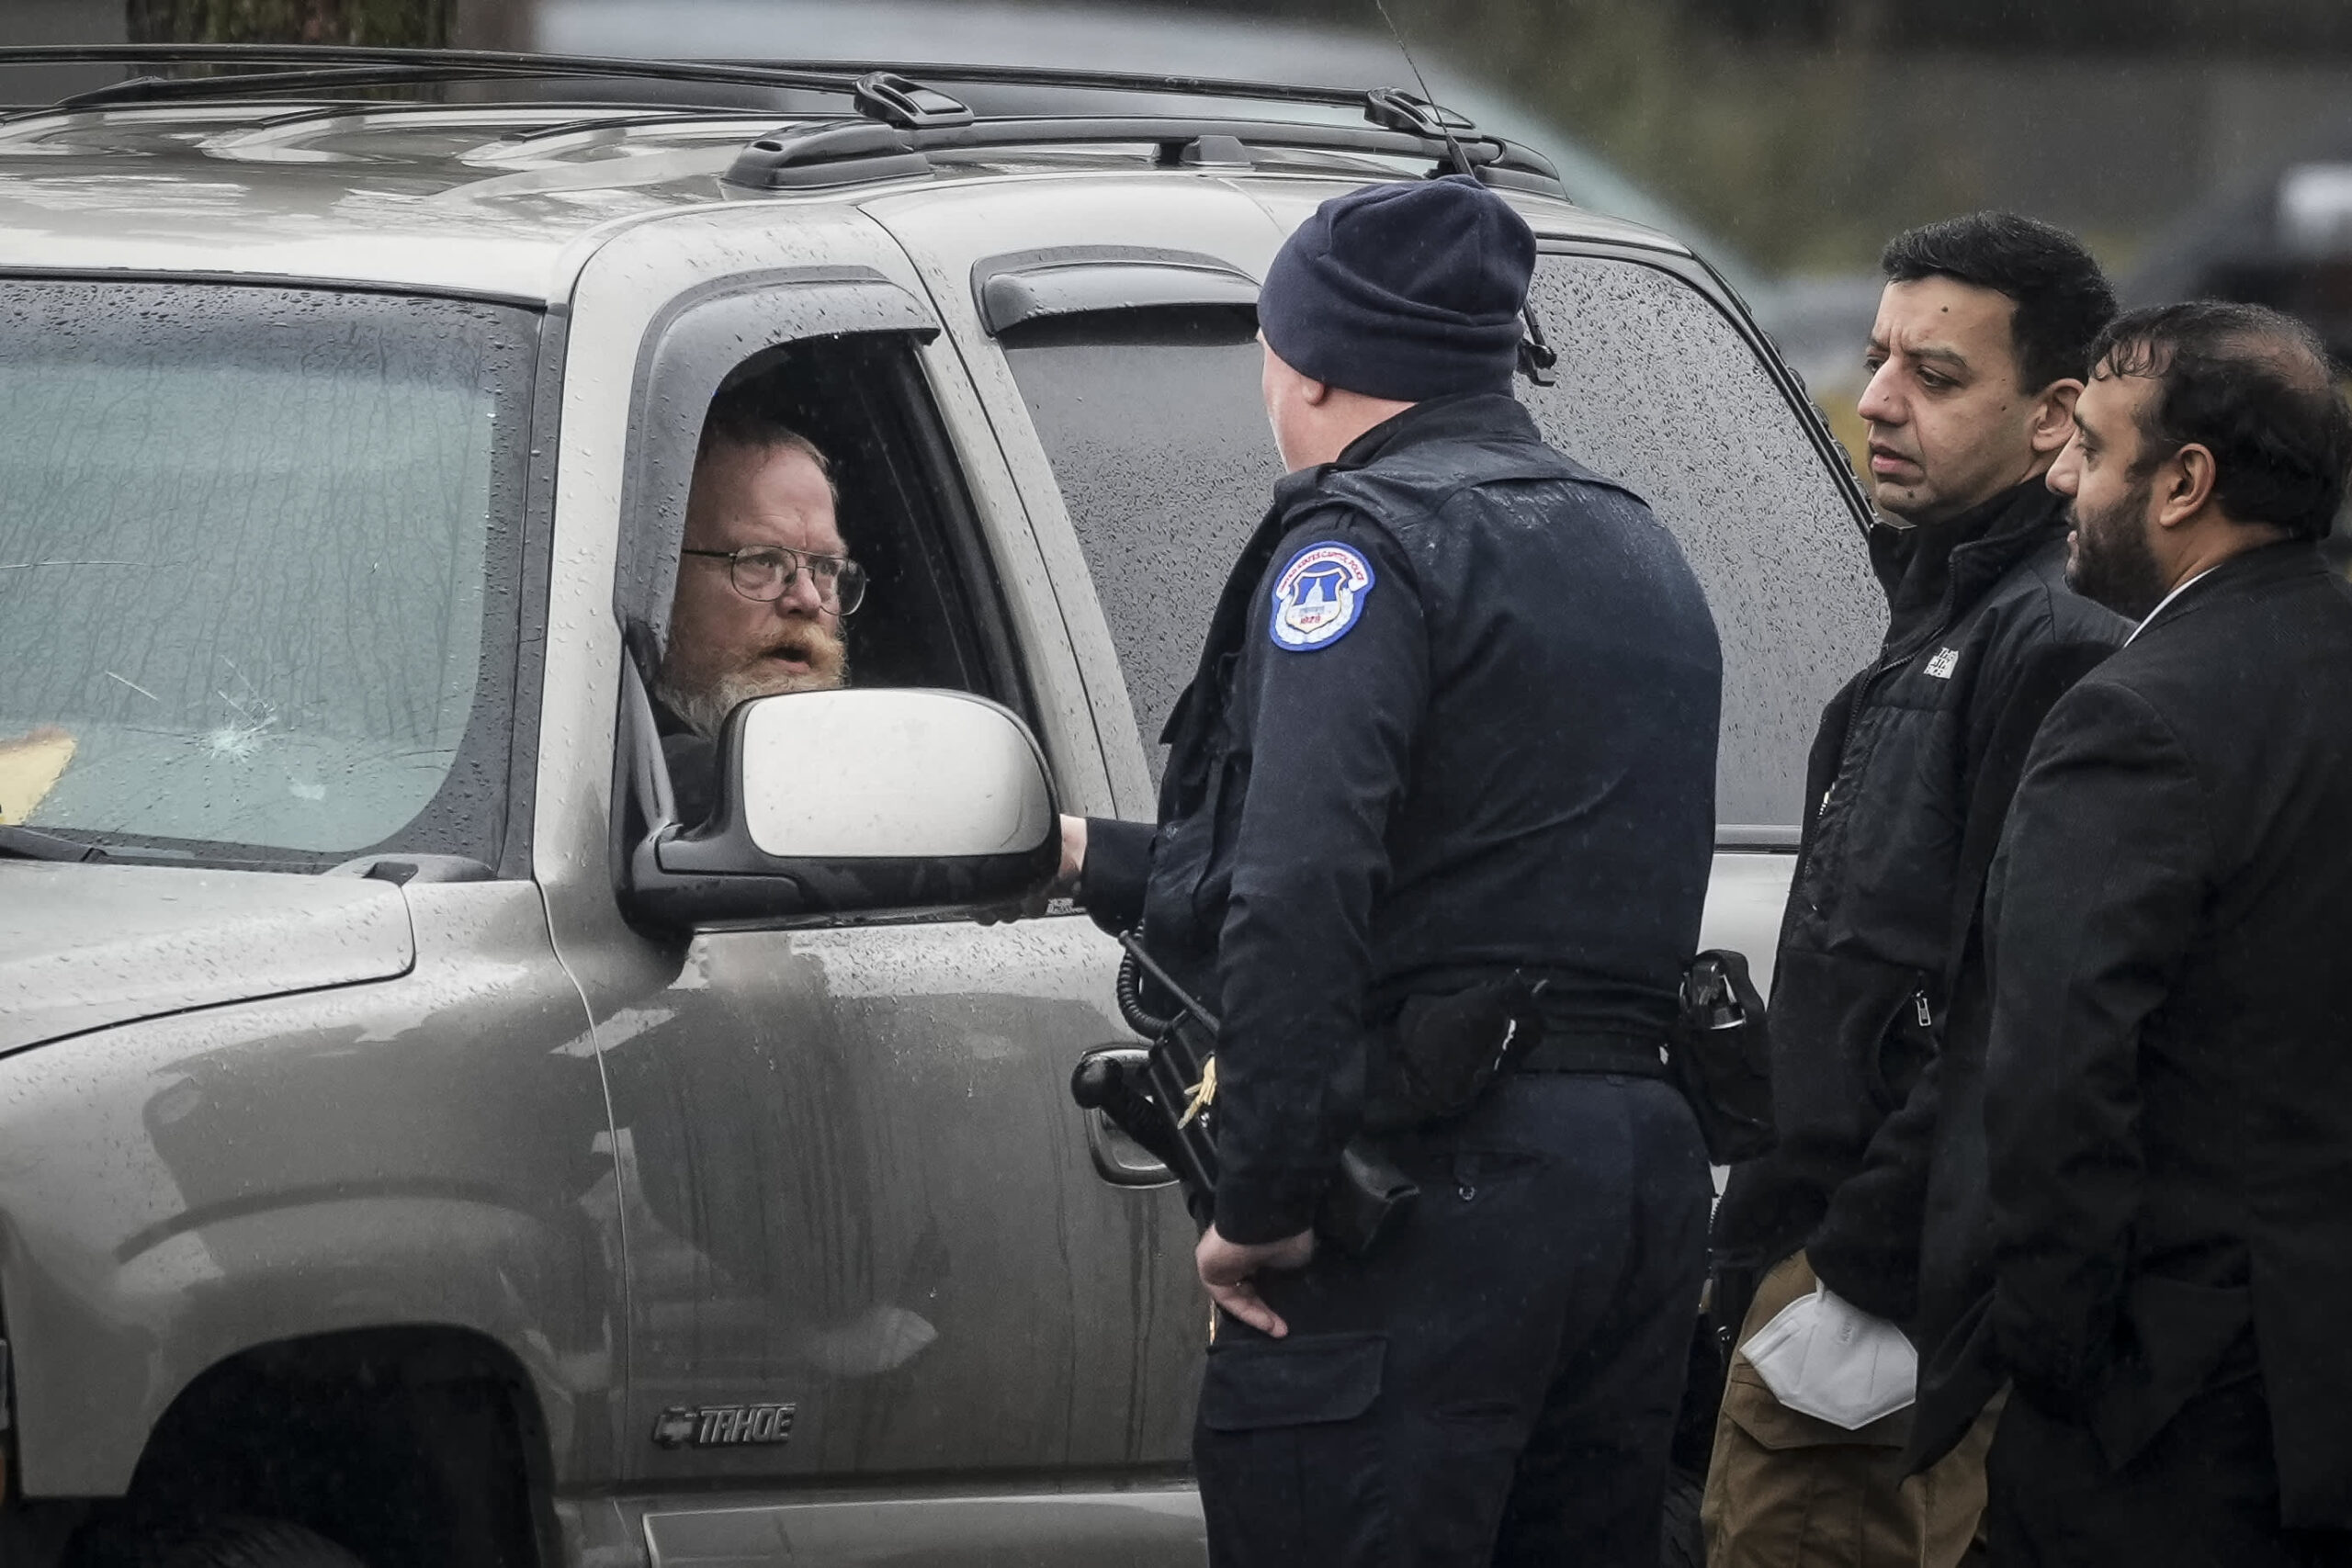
(828, 541)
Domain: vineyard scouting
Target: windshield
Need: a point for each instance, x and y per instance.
(251, 541)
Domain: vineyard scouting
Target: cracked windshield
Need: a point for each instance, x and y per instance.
(244, 539)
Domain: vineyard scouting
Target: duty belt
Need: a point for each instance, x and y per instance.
(1577, 1052)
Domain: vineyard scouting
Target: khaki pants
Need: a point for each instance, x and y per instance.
(1785, 1490)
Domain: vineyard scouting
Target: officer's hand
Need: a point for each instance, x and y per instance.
(1064, 885)
(1022, 909)
(1227, 1267)
(1073, 857)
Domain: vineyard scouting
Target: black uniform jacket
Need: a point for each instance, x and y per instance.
(2167, 1096)
(1502, 759)
(1910, 775)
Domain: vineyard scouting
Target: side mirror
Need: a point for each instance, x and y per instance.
(831, 803)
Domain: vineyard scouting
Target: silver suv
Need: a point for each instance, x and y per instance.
(416, 1149)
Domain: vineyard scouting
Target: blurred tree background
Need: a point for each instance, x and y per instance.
(414, 24)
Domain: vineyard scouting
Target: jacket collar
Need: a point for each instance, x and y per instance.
(2249, 569)
(1465, 416)
(1932, 575)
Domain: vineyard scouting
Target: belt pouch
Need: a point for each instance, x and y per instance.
(1436, 1058)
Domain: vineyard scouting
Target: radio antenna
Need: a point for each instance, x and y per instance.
(1453, 149)
(1536, 357)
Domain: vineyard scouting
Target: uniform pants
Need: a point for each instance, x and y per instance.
(1497, 1382)
(2202, 1494)
(1787, 1490)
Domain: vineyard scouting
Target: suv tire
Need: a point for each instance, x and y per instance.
(255, 1543)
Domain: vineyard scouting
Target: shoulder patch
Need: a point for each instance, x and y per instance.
(1319, 596)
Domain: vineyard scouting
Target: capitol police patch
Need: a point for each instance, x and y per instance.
(1319, 596)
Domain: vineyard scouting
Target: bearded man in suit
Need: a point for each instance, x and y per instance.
(2167, 1080)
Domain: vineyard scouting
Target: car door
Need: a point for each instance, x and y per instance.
(865, 1238)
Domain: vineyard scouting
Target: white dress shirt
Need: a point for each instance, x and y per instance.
(2168, 599)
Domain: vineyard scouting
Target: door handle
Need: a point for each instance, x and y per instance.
(1119, 1159)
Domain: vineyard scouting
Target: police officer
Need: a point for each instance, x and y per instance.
(1454, 721)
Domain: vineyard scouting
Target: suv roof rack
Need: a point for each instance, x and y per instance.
(818, 153)
(902, 116)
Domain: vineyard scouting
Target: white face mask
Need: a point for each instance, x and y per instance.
(1826, 1358)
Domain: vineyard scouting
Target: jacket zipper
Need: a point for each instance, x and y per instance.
(1845, 741)
(1947, 614)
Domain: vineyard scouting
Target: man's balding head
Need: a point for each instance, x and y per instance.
(2206, 430)
(2251, 386)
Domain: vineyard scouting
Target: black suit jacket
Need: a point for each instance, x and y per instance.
(2167, 1082)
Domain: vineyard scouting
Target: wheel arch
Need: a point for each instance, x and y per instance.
(414, 1446)
(105, 1347)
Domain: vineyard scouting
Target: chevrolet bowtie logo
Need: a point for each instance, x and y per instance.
(723, 1426)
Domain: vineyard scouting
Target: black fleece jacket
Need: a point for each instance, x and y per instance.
(1910, 777)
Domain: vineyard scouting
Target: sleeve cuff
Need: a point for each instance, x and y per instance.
(1873, 1279)
(1118, 866)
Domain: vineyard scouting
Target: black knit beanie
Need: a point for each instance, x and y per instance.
(1406, 290)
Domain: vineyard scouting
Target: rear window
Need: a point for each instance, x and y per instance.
(1660, 391)
(257, 564)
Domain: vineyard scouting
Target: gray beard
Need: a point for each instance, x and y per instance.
(704, 710)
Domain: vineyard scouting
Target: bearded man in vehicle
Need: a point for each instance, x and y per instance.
(764, 584)
(1979, 350)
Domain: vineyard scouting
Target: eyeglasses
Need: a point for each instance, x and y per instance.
(766, 572)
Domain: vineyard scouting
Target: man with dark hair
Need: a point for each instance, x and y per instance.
(1980, 344)
(2168, 1097)
(764, 584)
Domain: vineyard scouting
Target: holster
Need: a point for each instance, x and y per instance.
(1167, 1103)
